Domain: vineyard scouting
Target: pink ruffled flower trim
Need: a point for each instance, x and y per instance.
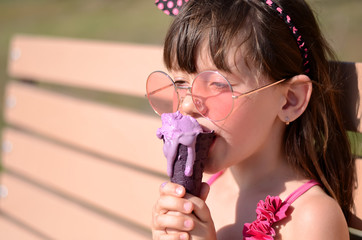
(270, 211)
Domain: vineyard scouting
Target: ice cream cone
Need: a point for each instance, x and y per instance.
(192, 183)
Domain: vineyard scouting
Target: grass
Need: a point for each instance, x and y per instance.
(341, 23)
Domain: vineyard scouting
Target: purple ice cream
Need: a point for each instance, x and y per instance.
(185, 148)
(178, 129)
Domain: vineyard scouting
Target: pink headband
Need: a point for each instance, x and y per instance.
(298, 37)
(172, 7)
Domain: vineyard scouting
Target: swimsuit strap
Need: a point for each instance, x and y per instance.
(297, 193)
(214, 177)
(290, 199)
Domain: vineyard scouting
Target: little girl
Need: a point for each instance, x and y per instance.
(281, 155)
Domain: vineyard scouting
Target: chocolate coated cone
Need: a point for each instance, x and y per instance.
(192, 183)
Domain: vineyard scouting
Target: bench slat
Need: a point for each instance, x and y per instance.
(352, 90)
(10, 231)
(57, 218)
(90, 64)
(113, 188)
(98, 128)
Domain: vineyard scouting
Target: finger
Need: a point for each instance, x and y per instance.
(173, 220)
(200, 208)
(171, 203)
(176, 235)
(205, 189)
(162, 235)
(173, 189)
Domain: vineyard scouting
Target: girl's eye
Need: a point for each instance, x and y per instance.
(180, 83)
(219, 86)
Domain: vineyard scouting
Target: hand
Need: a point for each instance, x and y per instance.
(177, 215)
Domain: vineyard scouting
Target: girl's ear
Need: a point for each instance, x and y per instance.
(296, 98)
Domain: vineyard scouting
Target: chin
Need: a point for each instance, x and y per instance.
(217, 158)
(211, 167)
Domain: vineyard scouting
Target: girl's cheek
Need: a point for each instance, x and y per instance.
(217, 155)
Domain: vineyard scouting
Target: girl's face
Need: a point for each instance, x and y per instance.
(253, 128)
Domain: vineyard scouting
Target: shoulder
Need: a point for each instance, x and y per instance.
(317, 216)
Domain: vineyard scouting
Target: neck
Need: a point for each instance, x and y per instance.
(262, 174)
(265, 170)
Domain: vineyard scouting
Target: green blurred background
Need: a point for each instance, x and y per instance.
(139, 21)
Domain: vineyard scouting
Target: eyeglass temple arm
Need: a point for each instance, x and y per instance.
(160, 89)
(259, 89)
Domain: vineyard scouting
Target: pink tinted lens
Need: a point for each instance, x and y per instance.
(212, 95)
(161, 93)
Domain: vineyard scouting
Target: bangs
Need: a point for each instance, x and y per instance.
(217, 27)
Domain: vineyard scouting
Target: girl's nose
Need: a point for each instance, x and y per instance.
(187, 106)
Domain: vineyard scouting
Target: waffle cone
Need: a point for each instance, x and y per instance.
(193, 183)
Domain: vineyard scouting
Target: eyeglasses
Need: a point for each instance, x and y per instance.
(212, 94)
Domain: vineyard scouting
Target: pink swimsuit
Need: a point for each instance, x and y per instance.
(268, 212)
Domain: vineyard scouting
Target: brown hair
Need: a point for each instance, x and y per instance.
(316, 142)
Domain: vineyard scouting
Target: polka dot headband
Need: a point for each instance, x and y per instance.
(172, 7)
(295, 32)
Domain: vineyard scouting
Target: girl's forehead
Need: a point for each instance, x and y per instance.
(234, 58)
(239, 69)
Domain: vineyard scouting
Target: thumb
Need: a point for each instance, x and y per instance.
(205, 189)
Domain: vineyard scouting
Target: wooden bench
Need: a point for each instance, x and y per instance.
(76, 167)
(80, 156)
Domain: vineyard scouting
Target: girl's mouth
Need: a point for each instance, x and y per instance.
(205, 129)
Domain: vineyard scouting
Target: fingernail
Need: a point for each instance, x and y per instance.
(188, 206)
(188, 223)
(163, 184)
(179, 190)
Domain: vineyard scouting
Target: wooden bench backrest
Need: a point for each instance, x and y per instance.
(351, 103)
(74, 166)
